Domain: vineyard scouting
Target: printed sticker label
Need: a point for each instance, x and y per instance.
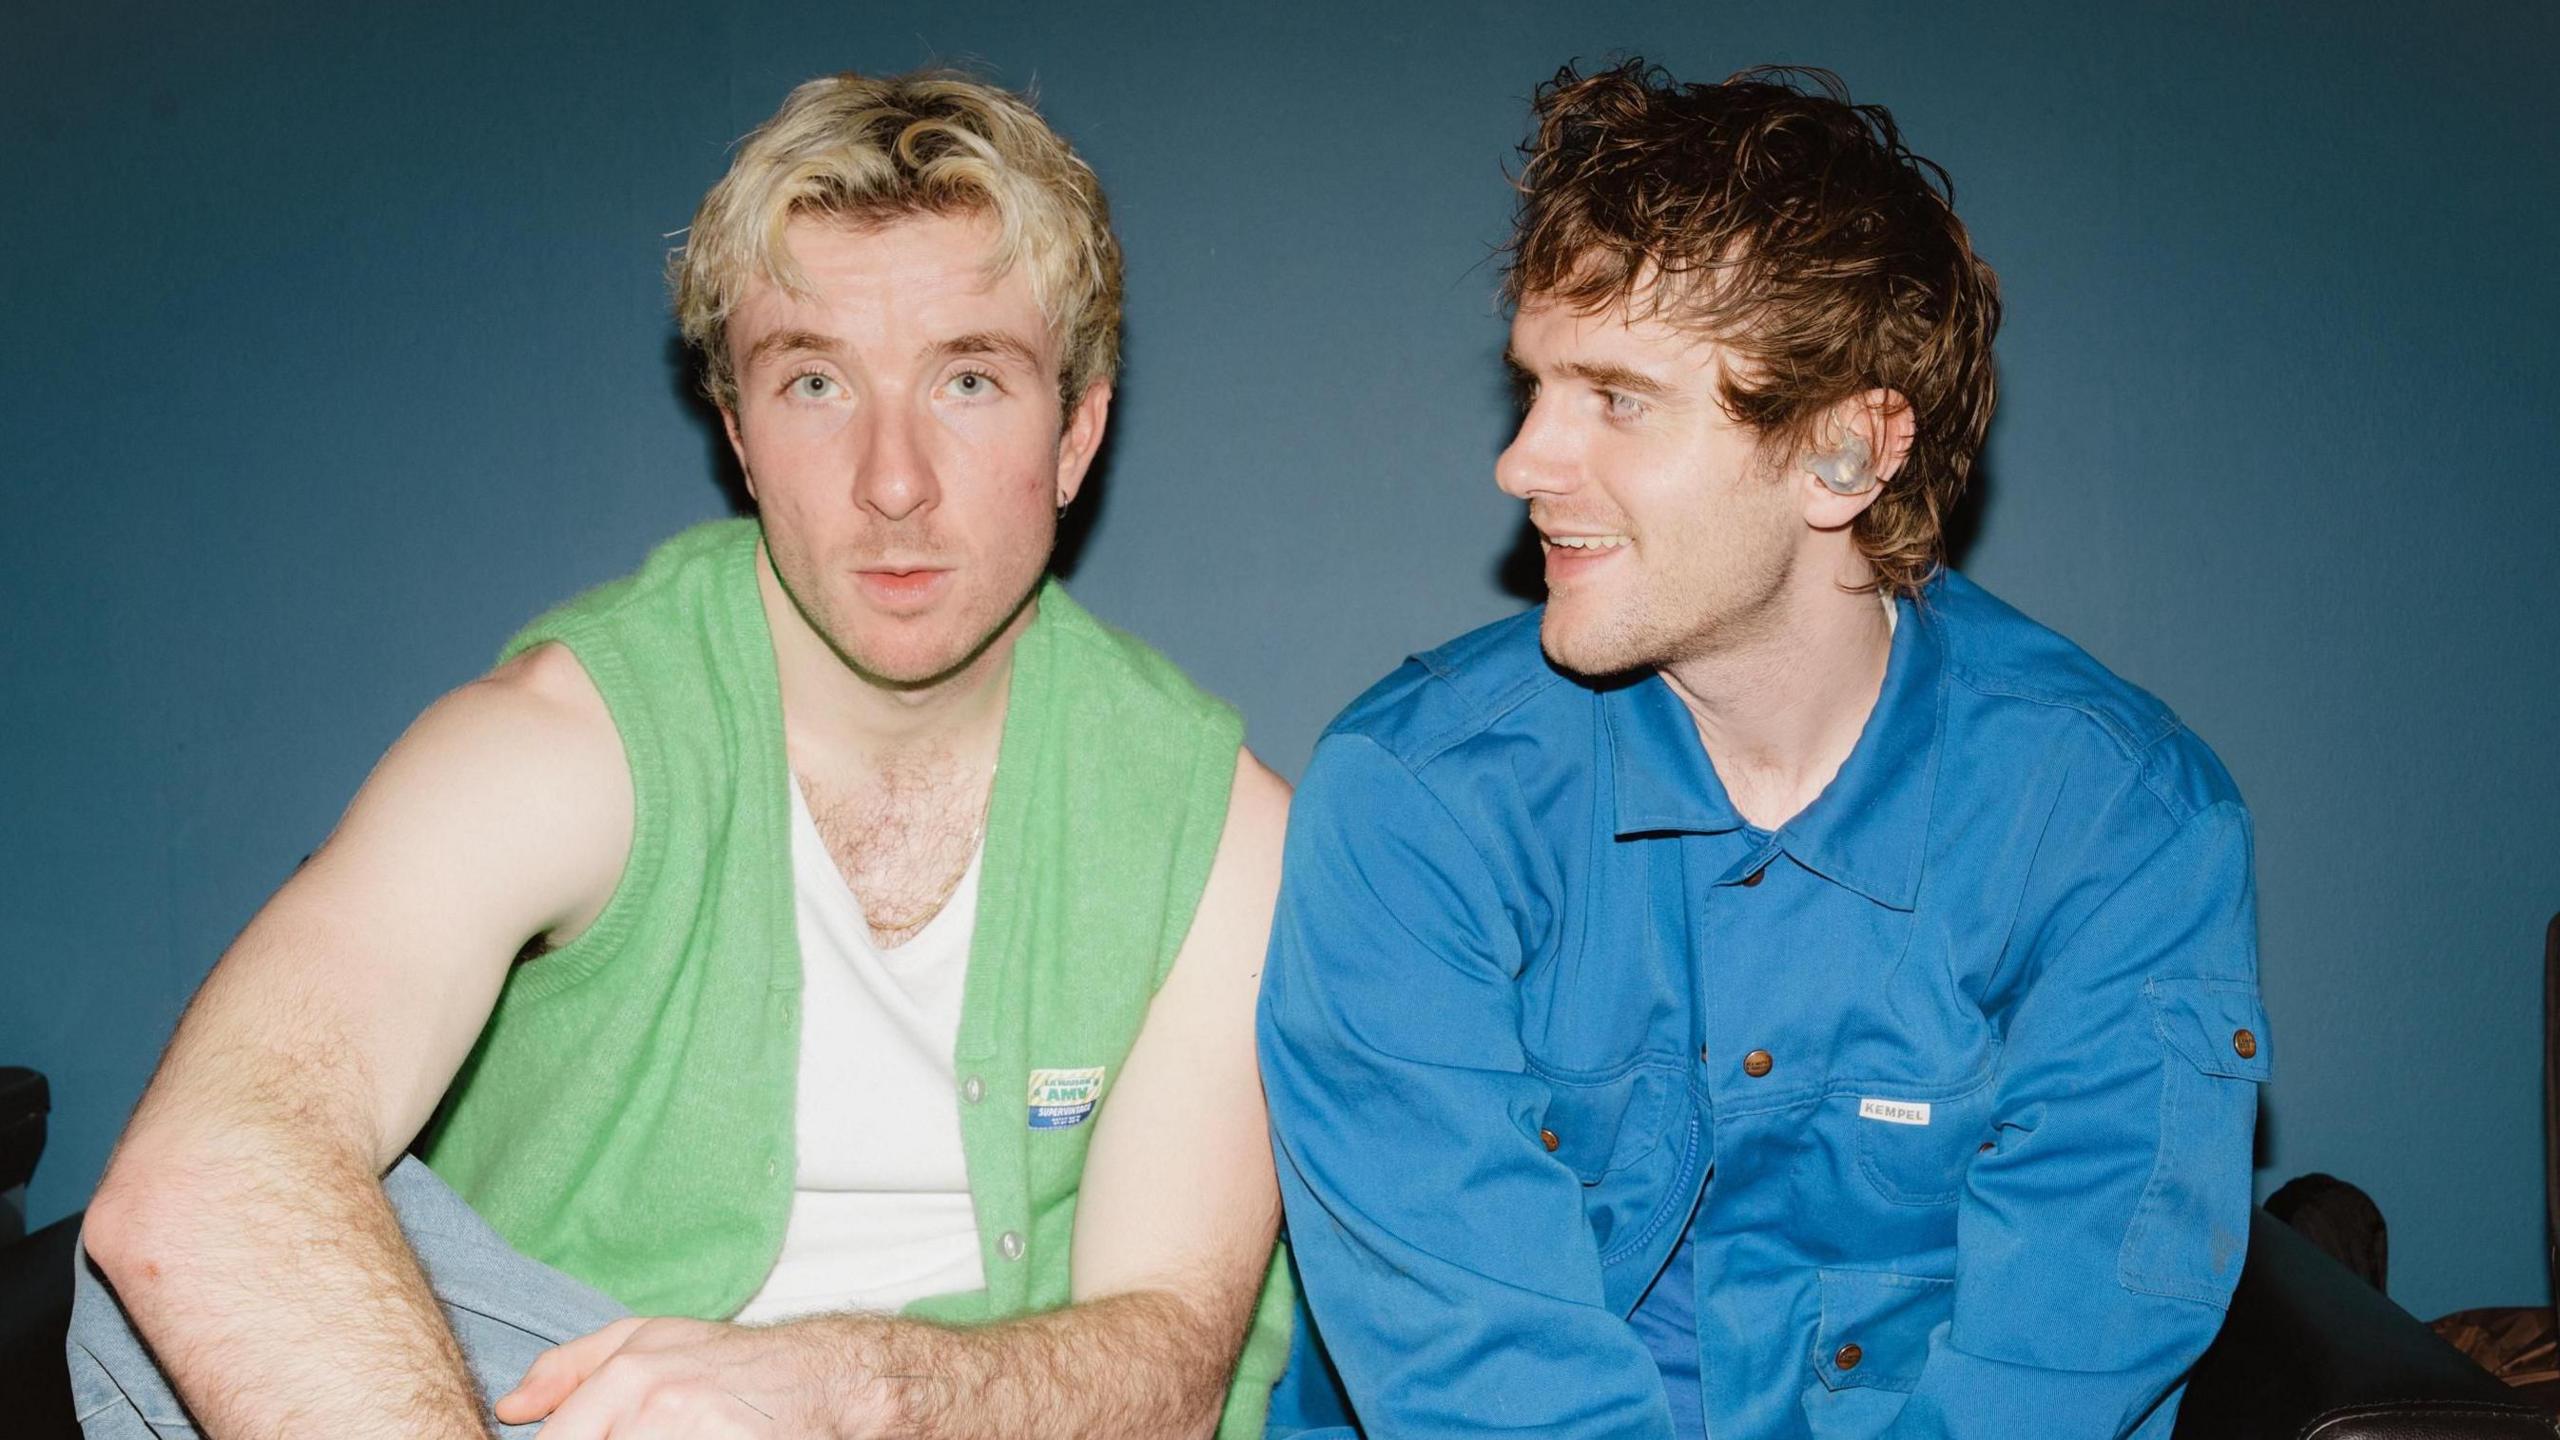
(1895, 1112)
(1061, 1099)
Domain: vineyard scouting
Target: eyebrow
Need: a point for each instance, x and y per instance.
(991, 342)
(806, 341)
(976, 342)
(1600, 374)
(1617, 377)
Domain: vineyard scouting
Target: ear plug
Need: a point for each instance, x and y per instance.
(1844, 471)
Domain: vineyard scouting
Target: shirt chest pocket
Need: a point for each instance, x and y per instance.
(1915, 1151)
(1597, 1125)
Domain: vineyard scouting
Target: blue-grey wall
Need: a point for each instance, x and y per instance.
(334, 347)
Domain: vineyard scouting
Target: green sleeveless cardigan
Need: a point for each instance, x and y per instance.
(627, 1114)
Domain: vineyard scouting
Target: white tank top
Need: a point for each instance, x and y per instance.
(880, 1207)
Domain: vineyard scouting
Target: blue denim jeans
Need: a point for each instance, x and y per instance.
(504, 1308)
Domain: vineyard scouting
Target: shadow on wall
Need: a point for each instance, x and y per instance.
(1075, 528)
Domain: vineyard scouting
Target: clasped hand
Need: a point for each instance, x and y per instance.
(672, 1379)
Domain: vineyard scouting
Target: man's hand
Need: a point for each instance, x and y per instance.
(639, 1379)
(1173, 1231)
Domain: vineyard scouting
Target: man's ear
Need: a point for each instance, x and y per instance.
(1081, 438)
(1886, 418)
(738, 448)
(1859, 445)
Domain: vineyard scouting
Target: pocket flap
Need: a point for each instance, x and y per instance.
(1877, 1325)
(1598, 1127)
(2220, 1026)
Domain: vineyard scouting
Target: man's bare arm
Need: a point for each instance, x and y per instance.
(242, 1221)
(1174, 1226)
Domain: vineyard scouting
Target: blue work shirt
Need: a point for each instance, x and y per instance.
(1956, 1070)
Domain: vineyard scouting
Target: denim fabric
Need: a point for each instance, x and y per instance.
(1961, 1044)
(504, 1308)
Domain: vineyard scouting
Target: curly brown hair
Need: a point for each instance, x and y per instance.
(1796, 230)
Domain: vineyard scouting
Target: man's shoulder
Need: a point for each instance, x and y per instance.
(1433, 705)
(1114, 671)
(2026, 673)
(706, 568)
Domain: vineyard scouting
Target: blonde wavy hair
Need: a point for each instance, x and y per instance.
(867, 150)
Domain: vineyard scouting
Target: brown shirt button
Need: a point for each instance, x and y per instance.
(1848, 1356)
(2244, 1044)
(1754, 877)
(1758, 1063)
(1547, 1138)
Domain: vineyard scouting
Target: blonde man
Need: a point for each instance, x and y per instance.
(846, 946)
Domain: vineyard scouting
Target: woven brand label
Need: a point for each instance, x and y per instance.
(1064, 1098)
(1894, 1112)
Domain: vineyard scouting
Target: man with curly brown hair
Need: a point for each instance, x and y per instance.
(1774, 989)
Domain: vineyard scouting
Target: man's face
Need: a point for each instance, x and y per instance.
(1665, 535)
(901, 432)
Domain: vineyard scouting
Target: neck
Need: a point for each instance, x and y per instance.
(836, 717)
(1780, 708)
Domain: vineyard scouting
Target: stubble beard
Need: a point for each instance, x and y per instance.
(1740, 605)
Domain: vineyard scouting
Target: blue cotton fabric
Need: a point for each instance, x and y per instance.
(1527, 950)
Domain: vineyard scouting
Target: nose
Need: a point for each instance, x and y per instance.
(893, 475)
(1536, 461)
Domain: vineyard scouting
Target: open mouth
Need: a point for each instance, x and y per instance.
(1570, 556)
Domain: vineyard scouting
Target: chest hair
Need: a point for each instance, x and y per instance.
(901, 835)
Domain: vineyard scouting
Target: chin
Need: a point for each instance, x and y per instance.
(1590, 649)
(923, 649)
(909, 663)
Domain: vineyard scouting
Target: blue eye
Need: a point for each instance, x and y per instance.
(812, 386)
(1622, 406)
(972, 384)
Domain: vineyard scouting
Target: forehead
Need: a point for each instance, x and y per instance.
(912, 280)
(1550, 332)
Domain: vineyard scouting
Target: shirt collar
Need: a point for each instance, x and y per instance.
(1868, 830)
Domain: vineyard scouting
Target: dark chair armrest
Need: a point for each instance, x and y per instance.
(24, 1100)
(35, 1314)
(2309, 1350)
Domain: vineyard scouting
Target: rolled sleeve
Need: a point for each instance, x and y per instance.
(1445, 1252)
(2098, 1240)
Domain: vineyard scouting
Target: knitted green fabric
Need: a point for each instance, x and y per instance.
(627, 1114)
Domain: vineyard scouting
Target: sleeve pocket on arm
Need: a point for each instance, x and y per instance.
(2191, 1229)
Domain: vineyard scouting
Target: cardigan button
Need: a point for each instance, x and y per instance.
(1010, 1246)
(973, 1089)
